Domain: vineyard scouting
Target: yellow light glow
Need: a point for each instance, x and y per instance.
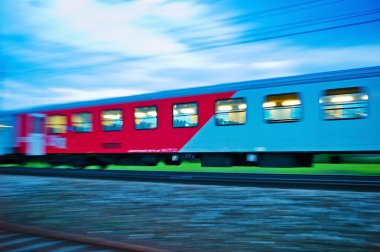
(269, 104)
(364, 97)
(111, 117)
(140, 114)
(225, 108)
(342, 98)
(187, 111)
(152, 113)
(242, 106)
(291, 102)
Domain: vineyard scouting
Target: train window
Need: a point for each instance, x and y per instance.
(146, 117)
(38, 125)
(282, 108)
(81, 122)
(56, 124)
(112, 120)
(344, 103)
(185, 115)
(230, 112)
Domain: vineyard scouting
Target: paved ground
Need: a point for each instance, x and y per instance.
(196, 217)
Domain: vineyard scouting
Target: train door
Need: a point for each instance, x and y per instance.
(36, 135)
(6, 134)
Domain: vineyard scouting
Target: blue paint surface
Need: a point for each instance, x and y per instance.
(311, 133)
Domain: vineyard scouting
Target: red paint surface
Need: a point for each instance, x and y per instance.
(22, 122)
(164, 138)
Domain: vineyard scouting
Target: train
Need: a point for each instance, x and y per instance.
(276, 122)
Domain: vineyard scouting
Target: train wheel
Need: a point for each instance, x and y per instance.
(151, 160)
(103, 166)
(79, 162)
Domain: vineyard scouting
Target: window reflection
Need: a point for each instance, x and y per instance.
(185, 115)
(146, 117)
(82, 122)
(282, 108)
(56, 124)
(112, 120)
(230, 112)
(344, 103)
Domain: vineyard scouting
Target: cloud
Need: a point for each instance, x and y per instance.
(204, 69)
(65, 34)
(72, 94)
(68, 50)
(19, 95)
(271, 64)
(133, 28)
(136, 28)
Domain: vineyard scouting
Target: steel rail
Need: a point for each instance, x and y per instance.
(333, 182)
(77, 238)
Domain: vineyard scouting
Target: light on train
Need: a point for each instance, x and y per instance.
(140, 115)
(187, 111)
(342, 98)
(242, 106)
(225, 108)
(112, 117)
(152, 113)
(269, 104)
(364, 97)
(291, 102)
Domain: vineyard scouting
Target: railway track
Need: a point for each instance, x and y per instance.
(21, 238)
(329, 182)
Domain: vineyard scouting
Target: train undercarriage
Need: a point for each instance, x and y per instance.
(206, 159)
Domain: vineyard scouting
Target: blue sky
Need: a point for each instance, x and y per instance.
(57, 51)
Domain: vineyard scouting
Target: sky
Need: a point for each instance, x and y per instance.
(59, 51)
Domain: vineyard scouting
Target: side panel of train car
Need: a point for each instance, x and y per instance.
(308, 131)
(272, 125)
(162, 137)
(7, 134)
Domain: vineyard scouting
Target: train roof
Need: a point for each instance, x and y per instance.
(356, 73)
